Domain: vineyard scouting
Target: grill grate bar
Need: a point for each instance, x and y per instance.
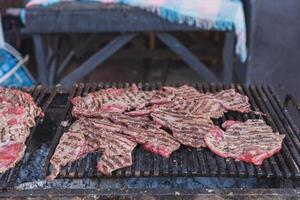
(273, 125)
(285, 152)
(266, 164)
(242, 117)
(59, 132)
(71, 167)
(272, 161)
(283, 126)
(229, 161)
(199, 162)
(82, 162)
(283, 113)
(221, 161)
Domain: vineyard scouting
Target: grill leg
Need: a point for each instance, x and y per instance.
(97, 59)
(187, 56)
(228, 53)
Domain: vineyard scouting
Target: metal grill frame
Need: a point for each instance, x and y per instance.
(191, 161)
(39, 94)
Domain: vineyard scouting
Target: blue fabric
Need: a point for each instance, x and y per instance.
(19, 78)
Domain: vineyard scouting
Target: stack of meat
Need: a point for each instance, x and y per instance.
(17, 115)
(114, 121)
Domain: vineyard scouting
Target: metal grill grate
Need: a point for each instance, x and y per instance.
(192, 161)
(43, 97)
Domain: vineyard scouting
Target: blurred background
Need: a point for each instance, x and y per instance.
(58, 43)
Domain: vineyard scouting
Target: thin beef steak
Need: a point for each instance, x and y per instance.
(117, 100)
(83, 138)
(252, 141)
(143, 131)
(17, 115)
(187, 129)
(210, 105)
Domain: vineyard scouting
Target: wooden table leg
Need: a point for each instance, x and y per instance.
(228, 54)
(40, 59)
(187, 56)
(96, 59)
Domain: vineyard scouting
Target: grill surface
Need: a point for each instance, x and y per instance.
(43, 98)
(192, 161)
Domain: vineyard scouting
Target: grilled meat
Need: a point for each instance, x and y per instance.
(252, 141)
(187, 129)
(143, 131)
(83, 138)
(17, 115)
(117, 100)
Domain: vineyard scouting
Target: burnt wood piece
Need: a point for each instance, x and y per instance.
(187, 56)
(96, 59)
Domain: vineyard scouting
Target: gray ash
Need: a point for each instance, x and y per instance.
(32, 167)
(141, 183)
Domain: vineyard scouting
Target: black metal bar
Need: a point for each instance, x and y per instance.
(97, 59)
(228, 54)
(187, 56)
(40, 58)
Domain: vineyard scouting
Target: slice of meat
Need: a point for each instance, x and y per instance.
(117, 100)
(71, 147)
(10, 154)
(232, 100)
(210, 105)
(187, 129)
(109, 163)
(117, 155)
(83, 138)
(17, 115)
(252, 141)
(184, 92)
(143, 131)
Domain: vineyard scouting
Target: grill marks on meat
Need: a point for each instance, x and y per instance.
(117, 100)
(252, 141)
(210, 105)
(189, 130)
(83, 138)
(71, 147)
(17, 115)
(143, 131)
